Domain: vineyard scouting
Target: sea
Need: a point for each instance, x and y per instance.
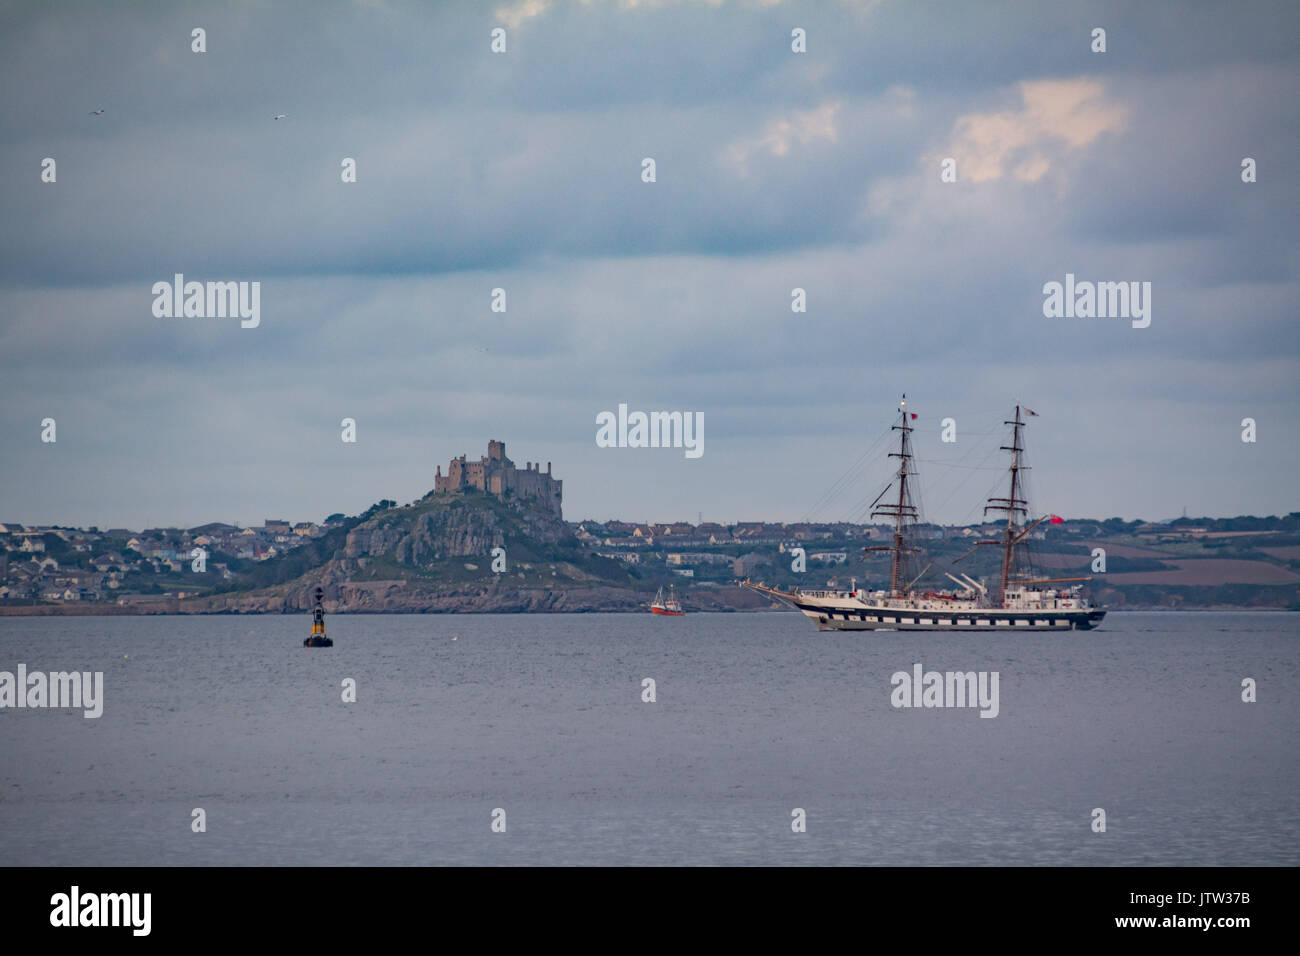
(632, 739)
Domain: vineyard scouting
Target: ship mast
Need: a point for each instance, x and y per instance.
(903, 511)
(1012, 505)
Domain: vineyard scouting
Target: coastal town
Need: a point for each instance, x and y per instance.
(93, 567)
(49, 564)
(1185, 562)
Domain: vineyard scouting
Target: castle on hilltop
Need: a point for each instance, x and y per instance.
(497, 475)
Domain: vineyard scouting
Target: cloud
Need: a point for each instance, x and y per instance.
(521, 12)
(1055, 117)
(780, 134)
(524, 10)
(522, 171)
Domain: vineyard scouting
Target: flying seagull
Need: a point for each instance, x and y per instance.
(96, 112)
(278, 116)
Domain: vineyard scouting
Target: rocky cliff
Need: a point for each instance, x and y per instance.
(458, 553)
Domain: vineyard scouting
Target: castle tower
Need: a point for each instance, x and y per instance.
(497, 475)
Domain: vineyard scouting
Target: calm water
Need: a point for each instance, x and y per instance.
(541, 715)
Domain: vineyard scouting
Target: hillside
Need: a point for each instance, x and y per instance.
(437, 555)
(1179, 565)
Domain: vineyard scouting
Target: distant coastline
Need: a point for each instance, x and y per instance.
(505, 548)
(99, 610)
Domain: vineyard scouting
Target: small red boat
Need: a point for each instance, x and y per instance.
(671, 607)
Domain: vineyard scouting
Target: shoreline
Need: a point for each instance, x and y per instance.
(87, 610)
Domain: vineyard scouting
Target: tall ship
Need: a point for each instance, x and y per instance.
(1020, 600)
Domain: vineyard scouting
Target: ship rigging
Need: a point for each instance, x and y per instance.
(1019, 601)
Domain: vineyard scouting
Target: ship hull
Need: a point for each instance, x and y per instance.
(984, 619)
(665, 612)
(840, 611)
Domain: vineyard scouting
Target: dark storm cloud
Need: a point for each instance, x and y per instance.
(522, 171)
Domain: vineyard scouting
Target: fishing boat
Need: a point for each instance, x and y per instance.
(671, 606)
(318, 638)
(1021, 601)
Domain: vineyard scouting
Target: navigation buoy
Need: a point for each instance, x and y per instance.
(318, 638)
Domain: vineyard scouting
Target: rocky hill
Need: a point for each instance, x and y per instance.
(437, 554)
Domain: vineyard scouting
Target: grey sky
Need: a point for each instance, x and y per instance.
(522, 170)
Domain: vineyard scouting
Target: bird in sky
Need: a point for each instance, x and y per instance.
(278, 116)
(96, 112)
